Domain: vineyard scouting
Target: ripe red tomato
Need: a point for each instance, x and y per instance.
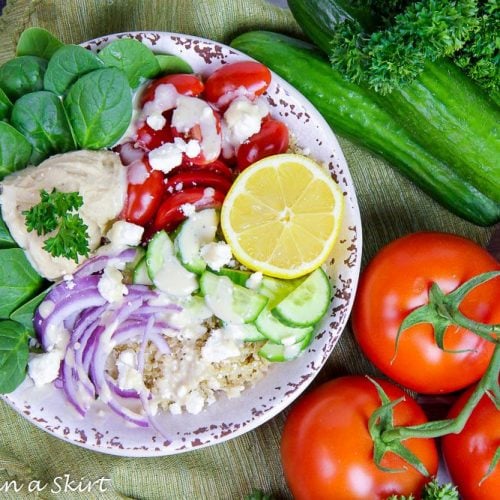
(185, 84)
(469, 454)
(249, 78)
(396, 282)
(144, 192)
(194, 176)
(272, 139)
(327, 451)
(170, 213)
(149, 138)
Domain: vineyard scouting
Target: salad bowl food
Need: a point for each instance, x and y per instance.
(241, 395)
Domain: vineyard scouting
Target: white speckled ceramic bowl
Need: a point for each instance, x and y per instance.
(101, 430)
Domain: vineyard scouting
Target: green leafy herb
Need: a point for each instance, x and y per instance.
(37, 42)
(5, 106)
(433, 491)
(172, 64)
(133, 58)
(22, 75)
(41, 118)
(99, 108)
(24, 314)
(15, 150)
(18, 280)
(58, 210)
(6, 240)
(13, 355)
(67, 65)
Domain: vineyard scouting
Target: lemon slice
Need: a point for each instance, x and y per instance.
(282, 215)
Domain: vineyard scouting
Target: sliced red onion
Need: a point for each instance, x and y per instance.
(99, 262)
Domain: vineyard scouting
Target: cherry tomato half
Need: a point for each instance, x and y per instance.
(192, 176)
(248, 78)
(185, 84)
(217, 167)
(144, 192)
(170, 213)
(272, 139)
(149, 138)
(396, 282)
(469, 454)
(327, 450)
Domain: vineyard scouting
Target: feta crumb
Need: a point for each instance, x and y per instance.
(44, 368)
(194, 402)
(216, 254)
(219, 346)
(165, 158)
(254, 281)
(123, 234)
(156, 121)
(188, 209)
(243, 119)
(110, 285)
(192, 148)
(128, 375)
(46, 308)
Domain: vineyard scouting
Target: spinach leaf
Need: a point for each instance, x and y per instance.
(99, 107)
(5, 106)
(6, 240)
(15, 150)
(14, 354)
(41, 118)
(25, 313)
(133, 58)
(18, 280)
(66, 65)
(172, 64)
(22, 75)
(37, 42)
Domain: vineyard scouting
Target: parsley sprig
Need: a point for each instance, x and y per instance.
(58, 210)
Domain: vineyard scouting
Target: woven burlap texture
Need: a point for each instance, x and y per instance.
(390, 207)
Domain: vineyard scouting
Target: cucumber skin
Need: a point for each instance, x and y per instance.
(355, 112)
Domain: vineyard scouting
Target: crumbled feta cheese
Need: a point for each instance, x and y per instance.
(192, 148)
(129, 377)
(216, 254)
(123, 234)
(56, 338)
(156, 121)
(254, 281)
(243, 119)
(188, 209)
(194, 402)
(110, 285)
(44, 368)
(219, 346)
(165, 158)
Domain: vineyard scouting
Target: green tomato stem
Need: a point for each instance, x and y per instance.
(438, 428)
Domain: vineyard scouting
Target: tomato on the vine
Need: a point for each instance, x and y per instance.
(272, 139)
(396, 282)
(470, 453)
(327, 450)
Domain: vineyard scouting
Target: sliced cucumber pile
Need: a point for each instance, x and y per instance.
(281, 314)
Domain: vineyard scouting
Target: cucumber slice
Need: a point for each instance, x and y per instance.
(165, 270)
(277, 332)
(251, 333)
(140, 274)
(276, 290)
(230, 302)
(308, 303)
(279, 353)
(235, 275)
(196, 231)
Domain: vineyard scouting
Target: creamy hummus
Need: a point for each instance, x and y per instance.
(100, 179)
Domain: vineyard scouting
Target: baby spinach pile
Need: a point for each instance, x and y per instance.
(56, 98)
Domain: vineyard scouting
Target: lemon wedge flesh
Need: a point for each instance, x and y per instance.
(282, 215)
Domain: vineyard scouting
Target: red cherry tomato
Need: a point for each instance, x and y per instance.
(249, 78)
(198, 134)
(170, 213)
(327, 451)
(217, 167)
(469, 454)
(149, 138)
(192, 176)
(272, 139)
(185, 84)
(144, 192)
(396, 282)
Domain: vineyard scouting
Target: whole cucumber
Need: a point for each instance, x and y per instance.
(355, 112)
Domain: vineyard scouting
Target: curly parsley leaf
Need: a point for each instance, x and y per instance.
(59, 211)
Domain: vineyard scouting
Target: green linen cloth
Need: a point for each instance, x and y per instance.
(390, 207)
